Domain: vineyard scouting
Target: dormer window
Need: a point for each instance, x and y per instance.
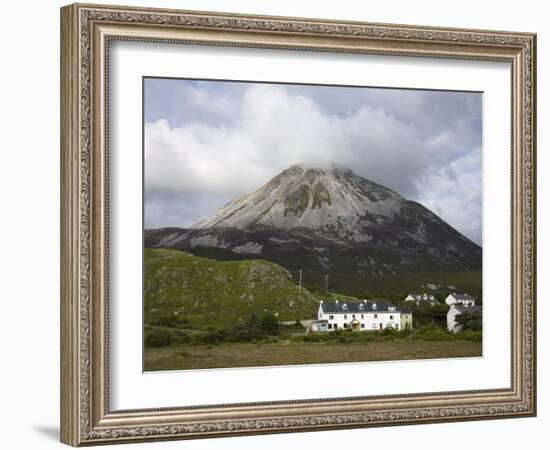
(374, 306)
(361, 306)
(344, 306)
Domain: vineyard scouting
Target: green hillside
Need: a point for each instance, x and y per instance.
(181, 289)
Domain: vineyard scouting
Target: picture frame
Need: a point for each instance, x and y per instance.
(87, 32)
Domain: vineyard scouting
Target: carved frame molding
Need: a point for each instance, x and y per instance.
(86, 31)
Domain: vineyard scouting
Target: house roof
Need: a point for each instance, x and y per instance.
(462, 296)
(344, 307)
(467, 309)
(424, 297)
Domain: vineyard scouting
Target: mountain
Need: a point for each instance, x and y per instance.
(328, 221)
(333, 201)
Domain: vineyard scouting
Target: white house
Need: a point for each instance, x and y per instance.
(419, 298)
(454, 311)
(463, 299)
(363, 315)
(319, 325)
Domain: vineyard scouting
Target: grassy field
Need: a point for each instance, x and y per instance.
(185, 356)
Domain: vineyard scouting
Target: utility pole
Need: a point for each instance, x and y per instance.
(300, 284)
(326, 284)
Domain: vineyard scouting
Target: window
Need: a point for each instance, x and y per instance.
(344, 306)
(362, 316)
(376, 316)
(345, 325)
(391, 317)
(397, 326)
(335, 326)
(329, 326)
(345, 316)
(331, 317)
(361, 306)
(362, 325)
(353, 316)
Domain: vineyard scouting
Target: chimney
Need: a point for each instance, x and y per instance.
(336, 301)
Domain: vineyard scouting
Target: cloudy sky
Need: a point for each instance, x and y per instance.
(207, 142)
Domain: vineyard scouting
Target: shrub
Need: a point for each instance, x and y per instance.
(269, 324)
(388, 332)
(434, 335)
(158, 338)
(469, 321)
(470, 335)
(172, 322)
(180, 338)
(312, 337)
(240, 335)
(212, 337)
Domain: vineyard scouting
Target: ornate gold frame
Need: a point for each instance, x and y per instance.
(86, 31)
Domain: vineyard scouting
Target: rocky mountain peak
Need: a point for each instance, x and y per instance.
(327, 198)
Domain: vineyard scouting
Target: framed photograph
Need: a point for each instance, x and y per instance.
(276, 224)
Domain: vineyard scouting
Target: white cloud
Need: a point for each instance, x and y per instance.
(204, 163)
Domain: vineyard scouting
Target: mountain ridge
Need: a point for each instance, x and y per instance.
(327, 221)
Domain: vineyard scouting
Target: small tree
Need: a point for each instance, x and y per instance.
(469, 321)
(253, 323)
(269, 324)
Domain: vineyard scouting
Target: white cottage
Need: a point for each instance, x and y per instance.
(461, 299)
(455, 310)
(319, 325)
(364, 315)
(421, 298)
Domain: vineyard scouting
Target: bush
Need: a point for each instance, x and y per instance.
(269, 324)
(212, 337)
(240, 335)
(425, 314)
(388, 332)
(181, 338)
(158, 338)
(434, 335)
(469, 321)
(311, 337)
(470, 335)
(254, 329)
(172, 322)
